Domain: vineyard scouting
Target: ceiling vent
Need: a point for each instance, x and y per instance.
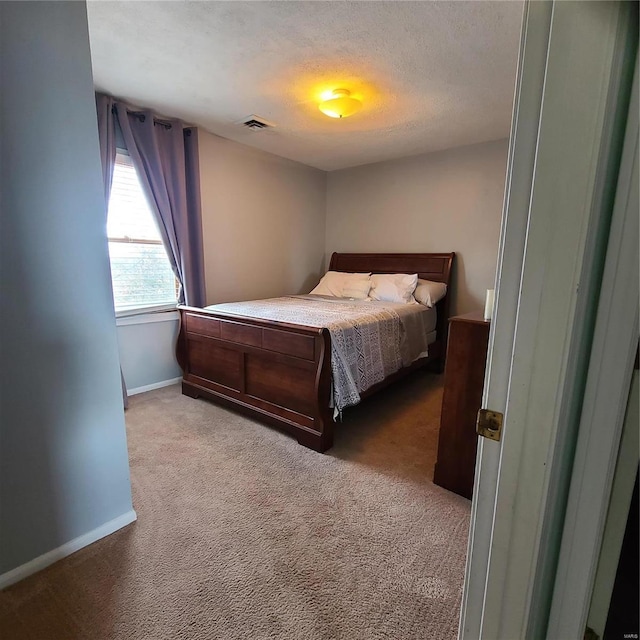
(256, 123)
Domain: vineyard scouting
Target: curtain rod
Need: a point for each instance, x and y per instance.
(156, 121)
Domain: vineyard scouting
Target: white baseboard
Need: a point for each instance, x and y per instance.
(43, 561)
(155, 385)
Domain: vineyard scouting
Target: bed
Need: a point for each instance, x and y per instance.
(281, 371)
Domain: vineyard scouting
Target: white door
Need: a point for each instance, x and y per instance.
(571, 104)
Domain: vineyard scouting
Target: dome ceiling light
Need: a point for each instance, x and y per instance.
(340, 104)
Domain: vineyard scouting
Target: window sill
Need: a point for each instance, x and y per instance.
(165, 313)
(152, 308)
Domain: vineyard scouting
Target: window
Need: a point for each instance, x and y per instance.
(140, 270)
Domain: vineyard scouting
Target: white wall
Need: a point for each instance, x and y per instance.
(263, 221)
(64, 470)
(445, 201)
(147, 346)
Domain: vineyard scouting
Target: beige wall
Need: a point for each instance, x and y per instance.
(445, 201)
(263, 220)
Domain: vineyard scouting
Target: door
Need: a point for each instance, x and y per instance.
(571, 103)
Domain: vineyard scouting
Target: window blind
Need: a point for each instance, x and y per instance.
(140, 270)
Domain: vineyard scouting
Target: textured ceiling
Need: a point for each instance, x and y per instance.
(432, 75)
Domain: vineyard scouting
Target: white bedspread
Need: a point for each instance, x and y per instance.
(369, 340)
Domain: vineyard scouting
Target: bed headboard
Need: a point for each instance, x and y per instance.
(428, 266)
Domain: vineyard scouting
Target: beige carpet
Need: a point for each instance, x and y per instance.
(244, 534)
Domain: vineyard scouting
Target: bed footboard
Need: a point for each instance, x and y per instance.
(277, 372)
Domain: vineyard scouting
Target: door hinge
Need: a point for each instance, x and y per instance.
(489, 424)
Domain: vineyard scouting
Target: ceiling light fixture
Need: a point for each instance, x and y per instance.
(340, 105)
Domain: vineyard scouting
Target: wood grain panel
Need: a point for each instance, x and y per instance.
(241, 333)
(213, 362)
(430, 266)
(292, 344)
(202, 325)
(280, 384)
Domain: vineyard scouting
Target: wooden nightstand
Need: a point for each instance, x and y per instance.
(461, 400)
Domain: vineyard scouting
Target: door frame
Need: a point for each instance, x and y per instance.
(605, 402)
(562, 155)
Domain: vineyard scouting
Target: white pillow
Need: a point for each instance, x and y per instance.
(344, 285)
(428, 292)
(393, 287)
(330, 284)
(358, 287)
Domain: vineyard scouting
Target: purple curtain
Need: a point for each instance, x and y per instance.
(165, 153)
(107, 136)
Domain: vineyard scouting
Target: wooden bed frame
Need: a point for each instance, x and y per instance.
(280, 372)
